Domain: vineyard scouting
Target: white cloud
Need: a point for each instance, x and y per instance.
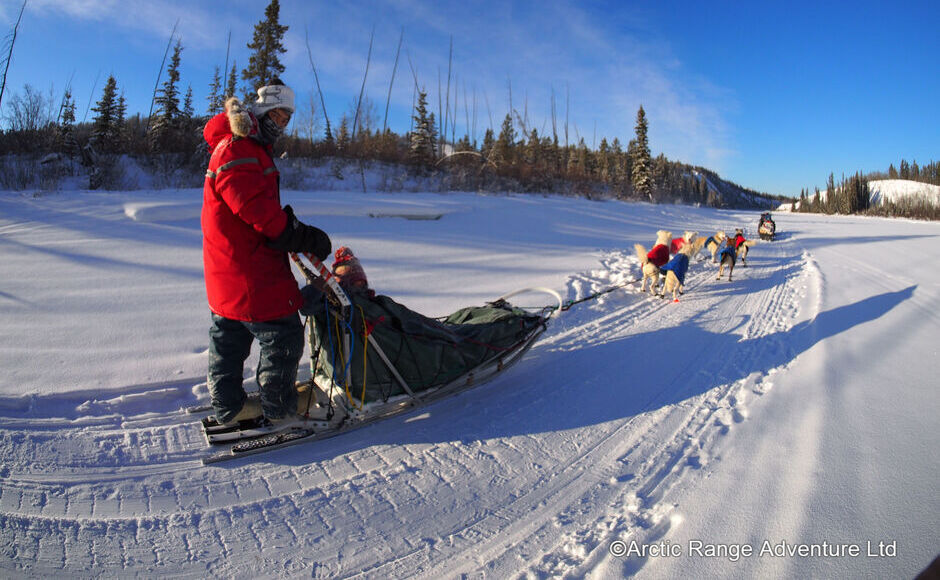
(199, 27)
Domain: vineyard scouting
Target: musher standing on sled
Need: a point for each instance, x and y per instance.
(251, 290)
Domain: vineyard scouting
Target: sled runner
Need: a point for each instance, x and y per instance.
(373, 358)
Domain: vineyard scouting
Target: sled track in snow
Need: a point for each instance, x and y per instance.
(614, 490)
(121, 473)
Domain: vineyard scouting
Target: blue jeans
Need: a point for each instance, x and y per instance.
(282, 345)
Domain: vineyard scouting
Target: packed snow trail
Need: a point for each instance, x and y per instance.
(573, 456)
(750, 410)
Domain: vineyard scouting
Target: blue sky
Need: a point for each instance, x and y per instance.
(773, 96)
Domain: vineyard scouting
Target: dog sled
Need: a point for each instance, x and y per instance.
(766, 228)
(372, 358)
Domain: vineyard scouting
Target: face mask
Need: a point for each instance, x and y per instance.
(269, 131)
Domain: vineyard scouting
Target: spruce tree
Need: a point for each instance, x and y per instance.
(343, 137)
(604, 162)
(120, 132)
(641, 158)
(104, 124)
(65, 139)
(489, 142)
(165, 126)
(216, 99)
(533, 149)
(503, 150)
(230, 85)
(264, 64)
(189, 111)
(423, 137)
(616, 164)
(905, 172)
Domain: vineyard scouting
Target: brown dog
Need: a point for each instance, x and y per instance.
(742, 245)
(727, 258)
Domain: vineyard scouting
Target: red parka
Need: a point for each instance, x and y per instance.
(241, 211)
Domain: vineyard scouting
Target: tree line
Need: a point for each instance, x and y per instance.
(929, 173)
(514, 157)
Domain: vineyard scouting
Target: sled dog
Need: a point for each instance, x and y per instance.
(677, 243)
(676, 268)
(741, 245)
(727, 258)
(713, 244)
(651, 261)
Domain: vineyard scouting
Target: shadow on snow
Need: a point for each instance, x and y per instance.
(614, 380)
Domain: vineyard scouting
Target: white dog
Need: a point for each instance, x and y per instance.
(651, 261)
(677, 243)
(676, 268)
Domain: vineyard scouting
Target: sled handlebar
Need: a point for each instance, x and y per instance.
(324, 275)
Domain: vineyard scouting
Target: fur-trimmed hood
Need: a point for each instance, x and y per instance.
(237, 121)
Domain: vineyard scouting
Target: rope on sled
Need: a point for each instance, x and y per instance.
(564, 305)
(567, 305)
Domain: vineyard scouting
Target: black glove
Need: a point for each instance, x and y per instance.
(313, 300)
(299, 237)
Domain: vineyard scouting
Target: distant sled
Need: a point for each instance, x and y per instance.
(766, 228)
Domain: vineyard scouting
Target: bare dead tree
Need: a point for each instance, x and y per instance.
(509, 82)
(450, 60)
(440, 114)
(466, 110)
(362, 90)
(9, 52)
(156, 85)
(91, 96)
(474, 123)
(525, 110)
(228, 47)
(388, 99)
(554, 126)
(453, 118)
(567, 103)
(67, 91)
(414, 95)
(329, 134)
(523, 120)
(488, 111)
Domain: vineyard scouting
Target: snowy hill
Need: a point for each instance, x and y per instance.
(884, 190)
(780, 425)
(897, 189)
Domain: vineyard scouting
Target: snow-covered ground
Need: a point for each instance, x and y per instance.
(779, 425)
